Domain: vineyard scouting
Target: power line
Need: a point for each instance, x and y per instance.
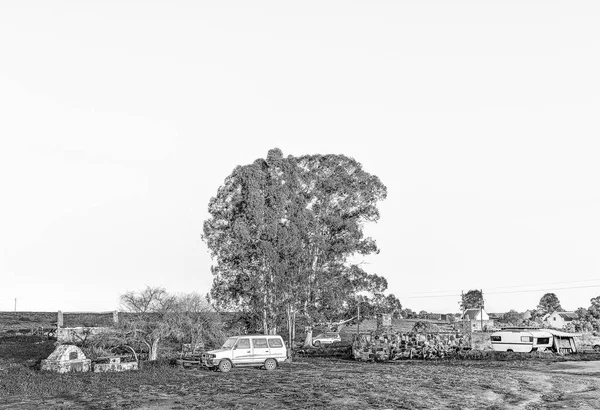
(500, 287)
(544, 290)
(455, 295)
(547, 283)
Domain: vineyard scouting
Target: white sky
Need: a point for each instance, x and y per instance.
(119, 120)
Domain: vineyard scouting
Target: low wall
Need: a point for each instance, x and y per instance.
(114, 367)
(87, 319)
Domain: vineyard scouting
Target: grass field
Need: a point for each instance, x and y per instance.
(305, 384)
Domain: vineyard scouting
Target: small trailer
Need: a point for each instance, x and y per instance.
(527, 340)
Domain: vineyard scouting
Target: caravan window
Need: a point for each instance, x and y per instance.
(496, 338)
(543, 340)
(526, 338)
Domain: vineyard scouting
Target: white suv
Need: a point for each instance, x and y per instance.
(326, 339)
(248, 350)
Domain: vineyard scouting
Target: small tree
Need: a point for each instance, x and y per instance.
(594, 309)
(512, 317)
(193, 320)
(147, 321)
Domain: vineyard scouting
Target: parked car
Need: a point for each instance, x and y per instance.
(326, 339)
(590, 342)
(247, 350)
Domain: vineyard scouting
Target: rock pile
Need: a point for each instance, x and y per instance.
(398, 346)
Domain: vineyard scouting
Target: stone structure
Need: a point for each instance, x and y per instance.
(67, 358)
(114, 365)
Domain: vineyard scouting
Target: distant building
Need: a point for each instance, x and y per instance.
(496, 316)
(475, 314)
(559, 320)
(477, 319)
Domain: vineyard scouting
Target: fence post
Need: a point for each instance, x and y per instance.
(59, 321)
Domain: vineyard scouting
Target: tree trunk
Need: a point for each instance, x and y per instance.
(265, 324)
(308, 340)
(132, 351)
(294, 326)
(153, 353)
(289, 312)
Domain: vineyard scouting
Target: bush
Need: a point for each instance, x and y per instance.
(94, 352)
(157, 364)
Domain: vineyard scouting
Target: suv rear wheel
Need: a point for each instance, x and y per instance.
(270, 364)
(317, 343)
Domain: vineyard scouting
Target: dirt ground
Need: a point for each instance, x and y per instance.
(342, 384)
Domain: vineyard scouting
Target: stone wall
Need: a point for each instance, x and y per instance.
(78, 334)
(87, 319)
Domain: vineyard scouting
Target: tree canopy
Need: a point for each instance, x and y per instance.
(282, 233)
(549, 303)
(471, 299)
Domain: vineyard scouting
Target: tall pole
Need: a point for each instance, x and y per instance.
(481, 313)
(358, 320)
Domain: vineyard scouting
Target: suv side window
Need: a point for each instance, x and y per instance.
(260, 343)
(275, 343)
(243, 344)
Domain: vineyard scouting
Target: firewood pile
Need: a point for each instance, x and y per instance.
(399, 346)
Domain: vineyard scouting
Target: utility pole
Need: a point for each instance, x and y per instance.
(481, 313)
(358, 320)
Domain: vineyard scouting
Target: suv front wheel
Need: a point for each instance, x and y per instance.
(270, 364)
(225, 365)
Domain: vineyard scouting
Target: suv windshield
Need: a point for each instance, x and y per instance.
(229, 343)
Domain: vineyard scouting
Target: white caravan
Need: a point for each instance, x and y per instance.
(521, 340)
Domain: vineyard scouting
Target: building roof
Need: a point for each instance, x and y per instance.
(568, 315)
(471, 313)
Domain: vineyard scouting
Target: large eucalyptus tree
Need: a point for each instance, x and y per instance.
(282, 233)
